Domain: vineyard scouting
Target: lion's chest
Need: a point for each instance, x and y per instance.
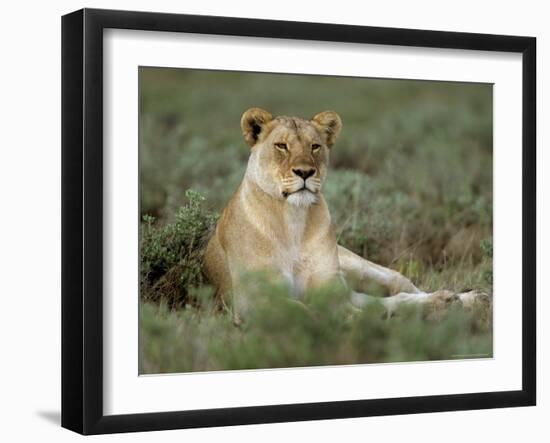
(295, 258)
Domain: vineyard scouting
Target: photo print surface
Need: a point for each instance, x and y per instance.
(301, 220)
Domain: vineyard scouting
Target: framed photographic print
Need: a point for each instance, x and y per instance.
(269, 221)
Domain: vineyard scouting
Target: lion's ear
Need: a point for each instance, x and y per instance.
(252, 123)
(330, 124)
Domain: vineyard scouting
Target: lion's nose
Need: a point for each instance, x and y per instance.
(304, 173)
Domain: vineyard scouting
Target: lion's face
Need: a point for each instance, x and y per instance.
(289, 157)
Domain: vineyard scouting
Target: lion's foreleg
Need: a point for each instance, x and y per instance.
(353, 265)
(434, 303)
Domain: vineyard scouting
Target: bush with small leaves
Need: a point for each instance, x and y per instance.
(171, 254)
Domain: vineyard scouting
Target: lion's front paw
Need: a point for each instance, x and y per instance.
(471, 299)
(430, 302)
(437, 303)
(480, 305)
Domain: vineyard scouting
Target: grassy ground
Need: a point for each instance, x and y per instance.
(410, 187)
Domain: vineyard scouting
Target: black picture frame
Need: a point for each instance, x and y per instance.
(82, 220)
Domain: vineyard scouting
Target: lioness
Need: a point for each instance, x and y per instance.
(278, 220)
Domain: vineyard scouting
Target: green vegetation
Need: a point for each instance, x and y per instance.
(282, 333)
(171, 254)
(410, 187)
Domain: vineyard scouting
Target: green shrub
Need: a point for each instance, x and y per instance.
(281, 332)
(171, 254)
(487, 248)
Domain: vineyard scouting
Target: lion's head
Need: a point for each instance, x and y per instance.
(289, 157)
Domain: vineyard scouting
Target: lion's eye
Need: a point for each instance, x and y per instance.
(281, 146)
(315, 147)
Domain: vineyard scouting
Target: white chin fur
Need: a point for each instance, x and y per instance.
(302, 198)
